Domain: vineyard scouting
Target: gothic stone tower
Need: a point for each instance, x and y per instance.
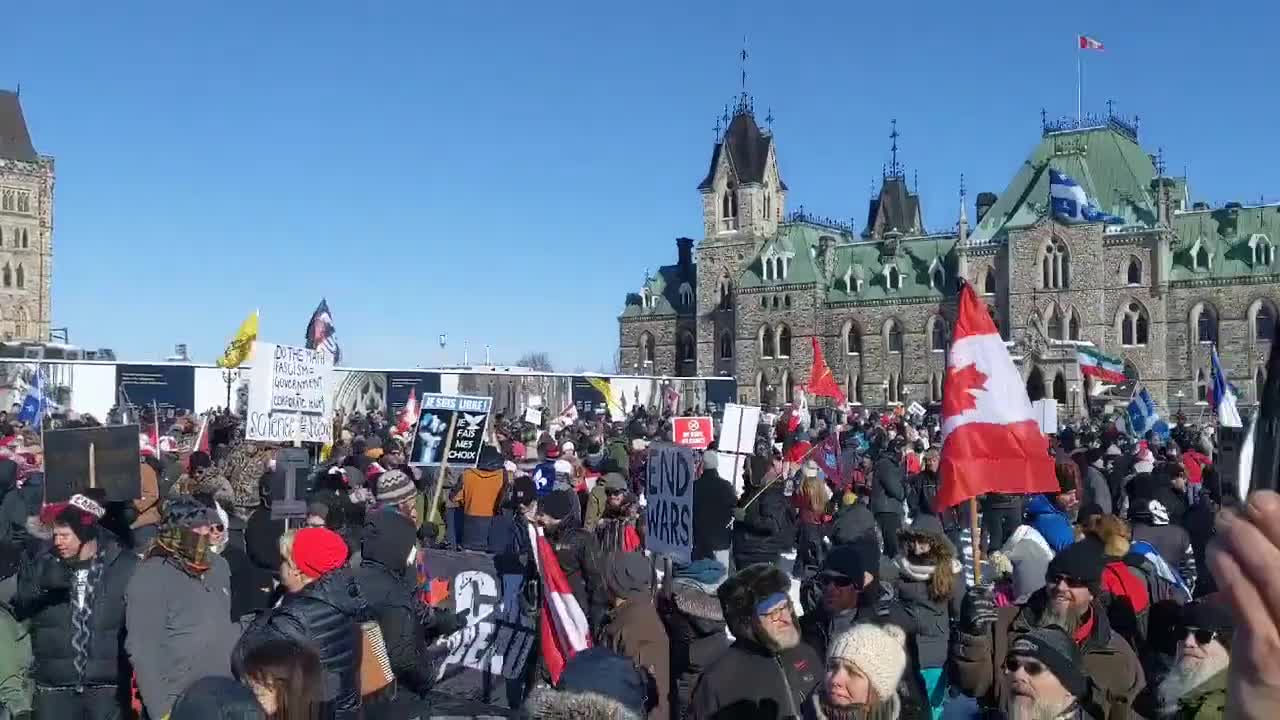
(26, 228)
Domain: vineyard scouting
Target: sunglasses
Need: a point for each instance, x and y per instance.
(1072, 582)
(1203, 637)
(1033, 667)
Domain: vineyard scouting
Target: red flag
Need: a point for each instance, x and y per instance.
(408, 414)
(828, 458)
(1088, 43)
(990, 439)
(563, 626)
(821, 382)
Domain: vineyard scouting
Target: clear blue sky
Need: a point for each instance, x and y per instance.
(505, 171)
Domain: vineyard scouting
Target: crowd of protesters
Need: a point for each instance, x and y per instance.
(1103, 600)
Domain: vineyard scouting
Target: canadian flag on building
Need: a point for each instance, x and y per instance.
(990, 439)
(562, 626)
(1088, 43)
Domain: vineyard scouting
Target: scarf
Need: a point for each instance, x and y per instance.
(82, 619)
(185, 549)
(914, 571)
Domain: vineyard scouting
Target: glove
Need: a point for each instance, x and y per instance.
(739, 514)
(978, 611)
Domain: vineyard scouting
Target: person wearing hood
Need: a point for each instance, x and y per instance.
(1071, 599)
(633, 629)
(479, 496)
(695, 626)
(1151, 521)
(386, 580)
(72, 597)
(577, 551)
(185, 632)
(930, 586)
(713, 501)
(596, 684)
(322, 608)
(888, 493)
(598, 499)
(768, 672)
(1096, 489)
(1053, 518)
(509, 542)
(1043, 679)
(864, 667)
(922, 498)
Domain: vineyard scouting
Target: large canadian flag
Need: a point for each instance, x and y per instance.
(990, 440)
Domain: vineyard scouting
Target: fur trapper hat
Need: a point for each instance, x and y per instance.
(741, 593)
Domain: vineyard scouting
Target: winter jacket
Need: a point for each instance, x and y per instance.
(932, 618)
(1174, 545)
(922, 496)
(766, 531)
(580, 558)
(1107, 659)
(15, 664)
(597, 501)
(634, 630)
(696, 631)
(1095, 489)
(180, 628)
(147, 505)
(887, 488)
(1052, 524)
(1194, 462)
(509, 544)
(44, 601)
(713, 502)
(617, 457)
(481, 491)
(1207, 702)
(326, 615)
(251, 586)
(855, 524)
(388, 588)
(262, 539)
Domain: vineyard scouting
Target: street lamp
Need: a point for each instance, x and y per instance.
(1179, 396)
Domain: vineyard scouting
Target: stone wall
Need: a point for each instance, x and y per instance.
(25, 312)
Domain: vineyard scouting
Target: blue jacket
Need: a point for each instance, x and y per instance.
(1050, 522)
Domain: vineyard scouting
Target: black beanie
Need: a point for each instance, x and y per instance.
(1209, 616)
(1082, 560)
(558, 503)
(1052, 646)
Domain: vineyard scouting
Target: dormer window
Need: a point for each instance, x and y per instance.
(892, 278)
(1200, 257)
(1263, 252)
(776, 265)
(852, 281)
(937, 277)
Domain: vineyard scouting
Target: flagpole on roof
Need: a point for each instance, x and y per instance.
(1079, 79)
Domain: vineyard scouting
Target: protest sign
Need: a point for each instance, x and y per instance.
(669, 476)
(79, 459)
(692, 432)
(289, 484)
(738, 429)
(452, 423)
(1045, 412)
(289, 395)
(168, 388)
(916, 409)
(533, 416)
(487, 661)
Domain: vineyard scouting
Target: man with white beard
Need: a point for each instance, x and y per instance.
(1043, 678)
(1196, 686)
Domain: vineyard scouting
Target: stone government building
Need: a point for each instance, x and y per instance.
(880, 296)
(26, 228)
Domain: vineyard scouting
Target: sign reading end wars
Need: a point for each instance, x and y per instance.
(692, 432)
(289, 395)
(453, 424)
(668, 489)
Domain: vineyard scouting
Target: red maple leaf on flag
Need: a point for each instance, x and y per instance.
(956, 397)
(438, 591)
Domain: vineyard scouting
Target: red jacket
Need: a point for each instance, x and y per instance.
(1194, 462)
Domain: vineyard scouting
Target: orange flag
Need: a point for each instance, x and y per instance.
(821, 382)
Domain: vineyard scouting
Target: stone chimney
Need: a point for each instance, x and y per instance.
(685, 247)
(983, 204)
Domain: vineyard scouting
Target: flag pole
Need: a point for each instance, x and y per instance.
(1079, 79)
(975, 534)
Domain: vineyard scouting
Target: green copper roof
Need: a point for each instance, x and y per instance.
(915, 258)
(664, 291)
(1111, 167)
(1226, 235)
(800, 242)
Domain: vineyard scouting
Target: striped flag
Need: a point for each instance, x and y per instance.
(1088, 43)
(1223, 396)
(563, 626)
(1103, 367)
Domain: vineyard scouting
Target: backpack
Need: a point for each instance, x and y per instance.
(1163, 582)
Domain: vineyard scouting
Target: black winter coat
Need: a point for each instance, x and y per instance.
(922, 499)
(579, 555)
(713, 501)
(748, 681)
(251, 585)
(325, 615)
(766, 531)
(887, 487)
(44, 598)
(696, 630)
(13, 520)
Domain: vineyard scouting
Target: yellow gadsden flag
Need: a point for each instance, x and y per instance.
(603, 386)
(241, 346)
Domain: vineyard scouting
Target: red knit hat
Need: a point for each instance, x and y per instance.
(317, 551)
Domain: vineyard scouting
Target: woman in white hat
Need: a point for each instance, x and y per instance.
(864, 666)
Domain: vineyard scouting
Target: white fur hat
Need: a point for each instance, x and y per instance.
(878, 651)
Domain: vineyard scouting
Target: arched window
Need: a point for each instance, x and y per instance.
(686, 295)
(1055, 265)
(1073, 326)
(762, 388)
(688, 352)
(852, 340)
(989, 282)
(1259, 382)
(786, 300)
(784, 342)
(1133, 273)
(1035, 385)
(766, 342)
(25, 241)
(1200, 259)
(853, 388)
(726, 345)
(764, 302)
(1056, 325)
(937, 334)
(892, 278)
(893, 336)
(1262, 250)
(1133, 325)
(788, 390)
(1060, 389)
(1204, 317)
(646, 348)
(938, 279)
(775, 302)
(7, 276)
(1263, 324)
(768, 268)
(20, 277)
(1202, 386)
(726, 293)
(729, 208)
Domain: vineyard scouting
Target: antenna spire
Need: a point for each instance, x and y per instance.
(742, 63)
(895, 170)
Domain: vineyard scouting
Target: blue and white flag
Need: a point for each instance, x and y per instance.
(32, 411)
(1071, 205)
(1223, 396)
(1142, 413)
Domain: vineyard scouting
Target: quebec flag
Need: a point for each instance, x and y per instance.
(1071, 205)
(33, 406)
(1223, 395)
(1143, 416)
